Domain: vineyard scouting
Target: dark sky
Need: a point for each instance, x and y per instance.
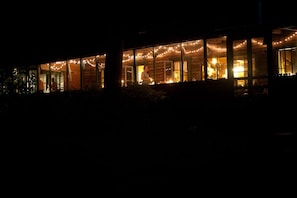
(33, 32)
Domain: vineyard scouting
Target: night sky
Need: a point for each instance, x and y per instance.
(34, 33)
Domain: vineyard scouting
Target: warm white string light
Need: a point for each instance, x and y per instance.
(162, 51)
(176, 49)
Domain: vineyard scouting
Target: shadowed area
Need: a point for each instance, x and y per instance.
(51, 31)
(110, 144)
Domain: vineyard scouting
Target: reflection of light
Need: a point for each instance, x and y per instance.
(214, 61)
(287, 74)
(176, 75)
(238, 68)
(169, 81)
(210, 71)
(238, 71)
(225, 74)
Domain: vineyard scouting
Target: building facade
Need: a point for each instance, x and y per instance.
(250, 59)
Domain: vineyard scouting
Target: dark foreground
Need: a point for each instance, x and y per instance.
(167, 146)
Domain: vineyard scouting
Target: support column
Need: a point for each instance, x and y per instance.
(113, 65)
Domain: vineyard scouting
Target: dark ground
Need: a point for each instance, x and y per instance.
(82, 144)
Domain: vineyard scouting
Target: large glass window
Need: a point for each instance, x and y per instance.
(180, 71)
(216, 58)
(100, 61)
(284, 41)
(166, 71)
(240, 63)
(57, 76)
(250, 66)
(127, 77)
(44, 77)
(193, 56)
(145, 56)
(90, 73)
(53, 76)
(73, 75)
(287, 61)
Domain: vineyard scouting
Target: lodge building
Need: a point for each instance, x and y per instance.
(251, 59)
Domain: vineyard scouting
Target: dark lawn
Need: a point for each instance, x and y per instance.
(81, 144)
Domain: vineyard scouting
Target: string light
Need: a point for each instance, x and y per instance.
(164, 50)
